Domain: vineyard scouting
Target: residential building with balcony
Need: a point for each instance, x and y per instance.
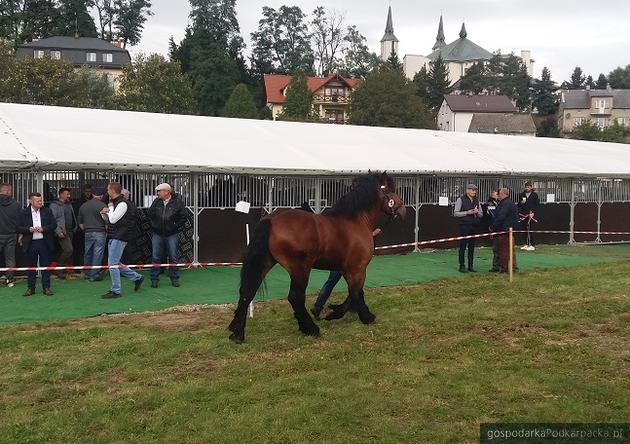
(601, 107)
(106, 57)
(331, 95)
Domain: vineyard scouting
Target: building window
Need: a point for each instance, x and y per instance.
(578, 121)
(38, 54)
(90, 57)
(602, 122)
(107, 58)
(624, 121)
(110, 79)
(56, 55)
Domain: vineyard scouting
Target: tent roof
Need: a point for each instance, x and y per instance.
(43, 137)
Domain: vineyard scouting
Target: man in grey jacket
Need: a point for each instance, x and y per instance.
(92, 224)
(66, 226)
(9, 210)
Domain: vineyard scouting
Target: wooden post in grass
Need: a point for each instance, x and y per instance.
(511, 254)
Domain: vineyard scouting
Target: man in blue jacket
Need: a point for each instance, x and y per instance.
(506, 217)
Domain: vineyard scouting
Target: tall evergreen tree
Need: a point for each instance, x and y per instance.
(421, 82)
(475, 79)
(577, 79)
(386, 98)
(241, 104)
(602, 82)
(393, 62)
(358, 60)
(545, 100)
(129, 18)
(298, 104)
(73, 17)
(589, 82)
(515, 82)
(23, 20)
(211, 53)
(439, 83)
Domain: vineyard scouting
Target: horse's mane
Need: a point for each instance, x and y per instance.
(362, 195)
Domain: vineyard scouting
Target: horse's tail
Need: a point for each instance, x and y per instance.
(257, 260)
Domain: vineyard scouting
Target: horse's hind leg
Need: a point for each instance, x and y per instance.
(246, 296)
(355, 300)
(297, 298)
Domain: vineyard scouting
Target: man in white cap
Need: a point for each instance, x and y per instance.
(167, 215)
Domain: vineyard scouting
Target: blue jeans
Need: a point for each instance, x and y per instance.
(115, 252)
(38, 249)
(327, 288)
(94, 249)
(161, 244)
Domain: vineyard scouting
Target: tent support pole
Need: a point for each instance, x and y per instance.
(572, 215)
(417, 209)
(195, 180)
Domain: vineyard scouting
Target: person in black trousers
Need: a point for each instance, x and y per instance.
(468, 212)
(37, 225)
(506, 218)
(528, 202)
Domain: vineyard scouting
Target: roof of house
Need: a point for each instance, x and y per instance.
(108, 140)
(60, 42)
(479, 104)
(275, 85)
(502, 123)
(581, 98)
(461, 50)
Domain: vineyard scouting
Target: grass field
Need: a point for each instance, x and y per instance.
(442, 357)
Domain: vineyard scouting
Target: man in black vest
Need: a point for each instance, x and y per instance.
(528, 203)
(37, 225)
(468, 212)
(120, 219)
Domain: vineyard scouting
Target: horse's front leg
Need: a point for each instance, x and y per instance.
(355, 300)
(297, 298)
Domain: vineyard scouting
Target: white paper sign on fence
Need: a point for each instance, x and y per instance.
(243, 207)
(551, 198)
(443, 201)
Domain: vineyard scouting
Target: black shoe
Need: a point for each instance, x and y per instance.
(175, 283)
(110, 295)
(472, 270)
(154, 284)
(462, 269)
(316, 311)
(137, 284)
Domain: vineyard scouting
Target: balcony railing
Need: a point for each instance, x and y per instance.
(601, 111)
(321, 98)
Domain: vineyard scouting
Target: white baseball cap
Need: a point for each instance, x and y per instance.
(163, 187)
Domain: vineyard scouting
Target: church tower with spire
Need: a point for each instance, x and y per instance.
(440, 41)
(389, 42)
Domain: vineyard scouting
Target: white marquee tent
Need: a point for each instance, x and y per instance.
(47, 138)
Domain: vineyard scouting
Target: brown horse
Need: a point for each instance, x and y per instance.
(340, 239)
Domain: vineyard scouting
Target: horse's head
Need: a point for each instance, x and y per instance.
(391, 203)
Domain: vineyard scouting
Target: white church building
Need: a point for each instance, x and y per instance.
(459, 55)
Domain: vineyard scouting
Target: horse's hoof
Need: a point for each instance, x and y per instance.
(367, 318)
(311, 331)
(237, 338)
(334, 314)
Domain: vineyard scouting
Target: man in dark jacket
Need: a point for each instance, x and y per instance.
(528, 202)
(66, 226)
(167, 215)
(9, 210)
(506, 218)
(468, 212)
(37, 225)
(92, 224)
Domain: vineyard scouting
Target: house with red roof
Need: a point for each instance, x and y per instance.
(331, 95)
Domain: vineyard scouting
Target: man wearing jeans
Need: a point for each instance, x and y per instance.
(119, 220)
(167, 215)
(66, 226)
(93, 225)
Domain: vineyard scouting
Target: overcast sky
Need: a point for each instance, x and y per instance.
(560, 34)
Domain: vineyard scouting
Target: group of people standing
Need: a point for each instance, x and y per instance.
(501, 214)
(107, 220)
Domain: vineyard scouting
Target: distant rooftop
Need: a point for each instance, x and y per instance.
(60, 42)
(479, 103)
(581, 98)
